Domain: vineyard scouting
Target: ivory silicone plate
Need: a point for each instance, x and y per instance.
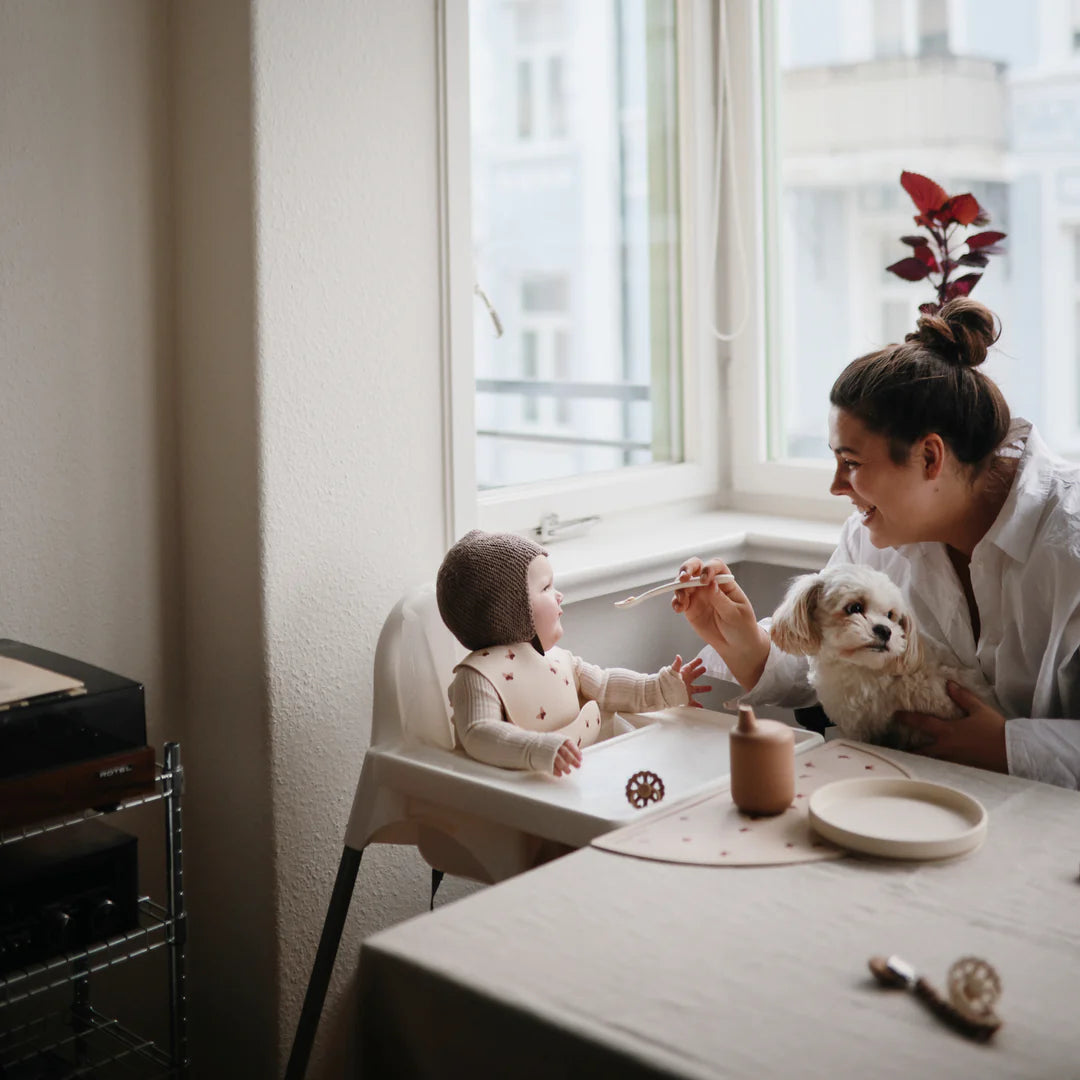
(898, 818)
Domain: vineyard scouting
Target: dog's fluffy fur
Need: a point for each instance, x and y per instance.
(867, 660)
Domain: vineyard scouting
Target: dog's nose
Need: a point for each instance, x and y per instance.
(882, 632)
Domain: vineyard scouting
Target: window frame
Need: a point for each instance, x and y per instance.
(697, 479)
(762, 480)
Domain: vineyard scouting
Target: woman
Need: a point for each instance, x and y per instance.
(973, 517)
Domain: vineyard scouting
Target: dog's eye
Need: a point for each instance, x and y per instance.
(854, 608)
(891, 616)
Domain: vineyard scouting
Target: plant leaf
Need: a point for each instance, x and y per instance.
(963, 209)
(973, 258)
(914, 241)
(962, 286)
(910, 269)
(949, 265)
(929, 309)
(925, 194)
(984, 239)
(926, 257)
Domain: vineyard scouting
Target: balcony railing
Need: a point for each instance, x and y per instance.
(903, 102)
(573, 391)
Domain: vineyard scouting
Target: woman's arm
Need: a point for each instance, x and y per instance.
(1031, 747)
(723, 617)
(1046, 750)
(738, 646)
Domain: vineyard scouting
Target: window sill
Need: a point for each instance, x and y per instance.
(623, 553)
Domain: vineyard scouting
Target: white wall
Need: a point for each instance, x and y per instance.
(230, 881)
(88, 509)
(308, 340)
(86, 480)
(350, 412)
(244, 572)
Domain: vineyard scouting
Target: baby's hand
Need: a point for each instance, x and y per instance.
(694, 670)
(567, 757)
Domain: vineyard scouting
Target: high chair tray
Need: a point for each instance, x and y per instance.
(686, 747)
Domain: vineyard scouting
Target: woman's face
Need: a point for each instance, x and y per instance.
(545, 602)
(894, 500)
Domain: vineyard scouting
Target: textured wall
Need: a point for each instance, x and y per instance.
(350, 419)
(87, 472)
(229, 850)
(85, 335)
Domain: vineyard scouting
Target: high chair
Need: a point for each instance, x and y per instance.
(479, 821)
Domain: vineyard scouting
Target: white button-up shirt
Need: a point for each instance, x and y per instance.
(1025, 574)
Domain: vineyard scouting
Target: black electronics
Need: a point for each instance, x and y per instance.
(61, 753)
(65, 890)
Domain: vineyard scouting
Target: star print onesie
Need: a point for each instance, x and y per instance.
(514, 707)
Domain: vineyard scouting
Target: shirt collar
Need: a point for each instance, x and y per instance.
(1013, 530)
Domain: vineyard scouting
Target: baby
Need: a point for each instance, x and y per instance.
(519, 702)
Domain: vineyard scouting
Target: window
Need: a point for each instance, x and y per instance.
(888, 28)
(576, 204)
(842, 116)
(933, 28)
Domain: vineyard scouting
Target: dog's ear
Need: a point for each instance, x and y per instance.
(912, 657)
(794, 623)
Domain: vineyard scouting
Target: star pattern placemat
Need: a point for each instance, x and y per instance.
(712, 832)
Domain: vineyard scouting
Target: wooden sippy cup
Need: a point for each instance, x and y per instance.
(762, 764)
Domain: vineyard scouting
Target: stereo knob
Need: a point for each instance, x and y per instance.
(58, 926)
(103, 918)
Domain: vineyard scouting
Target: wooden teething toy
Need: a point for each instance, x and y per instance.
(643, 788)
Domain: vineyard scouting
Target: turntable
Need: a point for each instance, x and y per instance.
(72, 736)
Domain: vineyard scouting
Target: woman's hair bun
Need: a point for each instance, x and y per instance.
(961, 332)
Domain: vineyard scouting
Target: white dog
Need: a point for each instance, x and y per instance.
(867, 660)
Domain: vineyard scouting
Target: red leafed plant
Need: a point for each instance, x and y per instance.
(943, 216)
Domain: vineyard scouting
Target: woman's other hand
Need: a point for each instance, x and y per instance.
(567, 757)
(724, 618)
(976, 738)
(689, 673)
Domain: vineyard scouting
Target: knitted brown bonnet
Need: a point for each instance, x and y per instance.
(482, 589)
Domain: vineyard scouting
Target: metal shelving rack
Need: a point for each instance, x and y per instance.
(79, 1041)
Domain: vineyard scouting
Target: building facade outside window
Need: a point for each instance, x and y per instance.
(576, 237)
(983, 97)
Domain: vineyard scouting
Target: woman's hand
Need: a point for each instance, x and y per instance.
(567, 757)
(688, 673)
(976, 738)
(724, 618)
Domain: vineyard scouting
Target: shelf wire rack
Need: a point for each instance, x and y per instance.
(79, 1042)
(153, 932)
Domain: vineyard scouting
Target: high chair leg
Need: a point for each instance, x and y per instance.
(436, 881)
(324, 964)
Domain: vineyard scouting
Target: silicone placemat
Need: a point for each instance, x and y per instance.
(712, 832)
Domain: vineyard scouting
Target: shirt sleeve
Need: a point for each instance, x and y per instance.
(619, 688)
(485, 735)
(1046, 750)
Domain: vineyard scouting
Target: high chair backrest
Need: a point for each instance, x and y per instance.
(414, 664)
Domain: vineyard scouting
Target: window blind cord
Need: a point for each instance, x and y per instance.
(723, 104)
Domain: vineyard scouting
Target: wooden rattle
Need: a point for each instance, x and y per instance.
(974, 988)
(643, 788)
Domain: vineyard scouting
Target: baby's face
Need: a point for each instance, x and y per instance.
(545, 602)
